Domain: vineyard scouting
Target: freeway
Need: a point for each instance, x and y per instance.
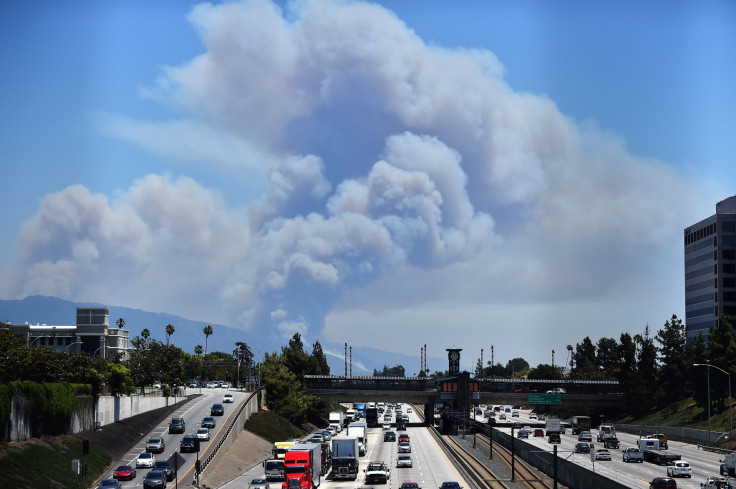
(192, 414)
(633, 475)
(430, 467)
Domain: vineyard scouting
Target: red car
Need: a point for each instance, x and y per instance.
(526, 389)
(124, 472)
(539, 432)
(403, 437)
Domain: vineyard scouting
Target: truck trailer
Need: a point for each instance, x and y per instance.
(650, 448)
(345, 458)
(337, 420)
(359, 429)
(302, 466)
(371, 417)
(580, 423)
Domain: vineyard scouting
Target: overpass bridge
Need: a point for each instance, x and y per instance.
(452, 391)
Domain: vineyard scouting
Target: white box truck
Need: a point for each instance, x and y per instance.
(337, 420)
(359, 429)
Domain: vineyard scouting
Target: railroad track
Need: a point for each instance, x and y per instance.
(477, 473)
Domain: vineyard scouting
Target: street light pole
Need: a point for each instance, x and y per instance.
(730, 399)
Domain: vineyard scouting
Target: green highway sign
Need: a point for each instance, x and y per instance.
(544, 399)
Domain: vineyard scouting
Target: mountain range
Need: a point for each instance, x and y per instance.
(54, 311)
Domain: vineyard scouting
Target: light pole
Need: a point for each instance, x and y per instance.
(66, 350)
(730, 400)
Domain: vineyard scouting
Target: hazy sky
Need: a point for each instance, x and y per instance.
(470, 174)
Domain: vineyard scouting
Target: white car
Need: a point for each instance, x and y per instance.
(679, 468)
(203, 434)
(408, 410)
(502, 416)
(145, 459)
(404, 447)
(403, 461)
(585, 436)
(602, 454)
(227, 398)
(532, 415)
(514, 414)
(386, 426)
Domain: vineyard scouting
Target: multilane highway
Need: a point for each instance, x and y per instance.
(430, 467)
(192, 414)
(634, 475)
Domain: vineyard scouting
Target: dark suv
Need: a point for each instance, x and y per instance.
(217, 410)
(189, 443)
(177, 425)
(663, 482)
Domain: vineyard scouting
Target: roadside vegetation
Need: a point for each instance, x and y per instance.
(46, 462)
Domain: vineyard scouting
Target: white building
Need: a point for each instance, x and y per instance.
(91, 334)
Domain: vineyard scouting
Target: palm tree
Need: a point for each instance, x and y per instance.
(207, 333)
(198, 352)
(120, 323)
(146, 333)
(169, 331)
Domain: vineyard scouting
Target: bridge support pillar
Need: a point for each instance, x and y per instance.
(429, 414)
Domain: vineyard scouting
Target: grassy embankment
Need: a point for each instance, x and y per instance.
(46, 462)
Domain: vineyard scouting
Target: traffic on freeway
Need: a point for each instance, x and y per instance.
(689, 466)
(189, 433)
(423, 463)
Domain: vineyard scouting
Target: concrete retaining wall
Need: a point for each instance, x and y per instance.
(111, 409)
(686, 435)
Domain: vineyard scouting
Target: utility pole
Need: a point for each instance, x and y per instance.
(351, 360)
(481, 363)
(346, 359)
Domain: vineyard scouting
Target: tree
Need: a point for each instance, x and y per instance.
(646, 367)
(207, 330)
(606, 355)
(585, 359)
(674, 359)
(120, 323)
(545, 371)
(198, 351)
(118, 376)
(169, 331)
(319, 360)
(515, 366)
(721, 352)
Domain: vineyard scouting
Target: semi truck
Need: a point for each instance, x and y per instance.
(359, 429)
(360, 408)
(350, 416)
(337, 420)
(371, 417)
(345, 458)
(652, 453)
(302, 466)
(728, 464)
(280, 447)
(580, 423)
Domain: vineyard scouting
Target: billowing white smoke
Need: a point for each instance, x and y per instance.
(391, 153)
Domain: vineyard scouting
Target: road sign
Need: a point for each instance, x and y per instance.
(544, 399)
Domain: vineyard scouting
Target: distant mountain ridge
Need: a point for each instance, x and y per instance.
(54, 311)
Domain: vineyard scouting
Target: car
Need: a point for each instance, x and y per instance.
(526, 389)
(164, 467)
(327, 434)
(404, 438)
(679, 468)
(514, 414)
(522, 433)
(403, 461)
(714, 483)
(189, 443)
(541, 417)
(226, 385)
(516, 425)
(228, 398)
(585, 436)
(377, 472)
(409, 485)
(502, 416)
(408, 410)
(259, 484)
(602, 454)
(663, 482)
(404, 447)
(317, 438)
(126, 472)
(203, 434)
(145, 459)
(207, 422)
(582, 447)
(109, 484)
(177, 425)
(554, 438)
(450, 485)
(387, 417)
(538, 432)
(532, 415)
(217, 410)
(155, 444)
(155, 479)
(558, 390)
(389, 436)
(400, 426)
(386, 426)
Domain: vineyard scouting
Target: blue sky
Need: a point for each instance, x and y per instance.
(333, 168)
